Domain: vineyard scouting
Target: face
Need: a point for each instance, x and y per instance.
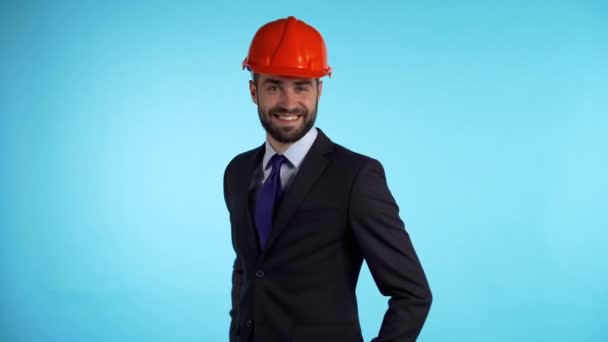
(287, 106)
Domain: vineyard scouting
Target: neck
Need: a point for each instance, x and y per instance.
(278, 146)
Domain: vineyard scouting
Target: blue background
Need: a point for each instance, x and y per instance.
(118, 118)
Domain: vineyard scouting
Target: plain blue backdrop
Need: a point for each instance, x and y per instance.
(117, 120)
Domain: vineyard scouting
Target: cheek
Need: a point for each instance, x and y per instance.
(265, 101)
(311, 103)
(264, 107)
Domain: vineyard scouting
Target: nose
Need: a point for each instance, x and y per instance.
(288, 100)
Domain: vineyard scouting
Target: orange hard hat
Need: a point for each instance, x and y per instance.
(288, 47)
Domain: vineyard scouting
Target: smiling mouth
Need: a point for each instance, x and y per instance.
(287, 117)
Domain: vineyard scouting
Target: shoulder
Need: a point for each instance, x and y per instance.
(238, 167)
(353, 160)
(240, 160)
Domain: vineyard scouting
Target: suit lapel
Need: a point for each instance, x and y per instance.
(311, 168)
(249, 177)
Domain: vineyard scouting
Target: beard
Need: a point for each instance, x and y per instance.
(288, 134)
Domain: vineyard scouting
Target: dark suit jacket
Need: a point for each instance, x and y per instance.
(337, 212)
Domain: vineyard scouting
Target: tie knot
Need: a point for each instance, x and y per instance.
(276, 161)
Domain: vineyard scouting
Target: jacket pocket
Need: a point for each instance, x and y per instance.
(345, 332)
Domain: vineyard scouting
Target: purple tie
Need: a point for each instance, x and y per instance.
(268, 195)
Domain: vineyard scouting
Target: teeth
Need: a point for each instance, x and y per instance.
(292, 117)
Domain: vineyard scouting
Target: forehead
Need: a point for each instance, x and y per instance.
(284, 79)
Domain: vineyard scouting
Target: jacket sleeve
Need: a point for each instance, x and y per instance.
(237, 279)
(237, 273)
(390, 255)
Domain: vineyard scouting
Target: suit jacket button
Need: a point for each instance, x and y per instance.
(249, 323)
(259, 274)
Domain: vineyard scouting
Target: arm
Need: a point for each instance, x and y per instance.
(237, 280)
(388, 251)
(237, 276)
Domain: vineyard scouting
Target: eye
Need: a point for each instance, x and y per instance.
(272, 89)
(300, 89)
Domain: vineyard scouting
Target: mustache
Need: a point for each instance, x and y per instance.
(293, 111)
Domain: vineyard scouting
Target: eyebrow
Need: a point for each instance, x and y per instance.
(272, 81)
(304, 82)
(278, 82)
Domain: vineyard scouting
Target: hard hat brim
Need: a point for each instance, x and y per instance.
(286, 71)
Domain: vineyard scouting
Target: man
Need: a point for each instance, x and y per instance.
(305, 212)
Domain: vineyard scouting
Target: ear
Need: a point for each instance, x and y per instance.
(253, 91)
(319, 88)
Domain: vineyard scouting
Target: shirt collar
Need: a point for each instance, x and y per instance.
(296, 152)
